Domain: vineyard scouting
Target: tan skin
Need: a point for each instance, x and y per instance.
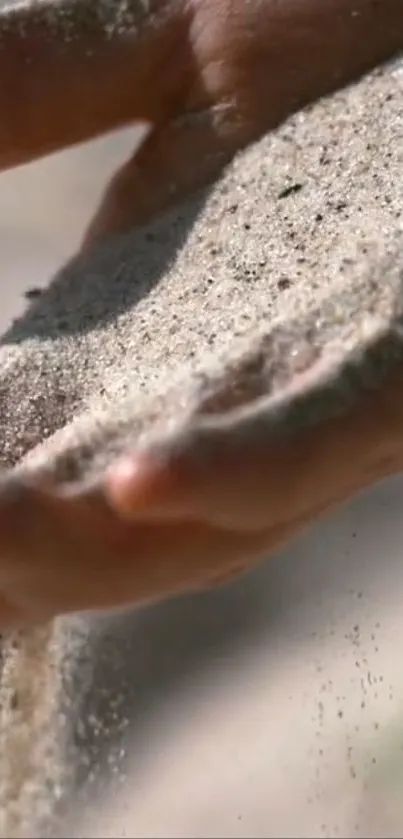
(210, 76)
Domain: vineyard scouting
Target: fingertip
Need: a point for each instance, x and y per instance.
(139, 487)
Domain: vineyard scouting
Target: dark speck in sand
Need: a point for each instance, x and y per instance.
(290, 190)
(32, 293)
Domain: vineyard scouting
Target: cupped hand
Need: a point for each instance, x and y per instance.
(209, 77)
(188, 513)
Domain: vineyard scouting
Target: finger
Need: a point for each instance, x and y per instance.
(11, 616)
(248, 474)
(68, 552)
(76, 69)
(252, 65)
(174, 161)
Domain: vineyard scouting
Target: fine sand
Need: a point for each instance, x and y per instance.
(305, 231)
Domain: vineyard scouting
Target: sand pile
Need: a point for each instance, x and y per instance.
(296, 255)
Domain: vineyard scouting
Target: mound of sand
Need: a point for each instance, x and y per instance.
(296, 255)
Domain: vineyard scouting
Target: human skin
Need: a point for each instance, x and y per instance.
(210, 76)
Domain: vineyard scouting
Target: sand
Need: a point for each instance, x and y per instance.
(296, 253)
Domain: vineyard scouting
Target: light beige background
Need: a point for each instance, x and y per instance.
(273, 707)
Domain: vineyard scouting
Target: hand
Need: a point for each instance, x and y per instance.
(207, 76)
(191, 512)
